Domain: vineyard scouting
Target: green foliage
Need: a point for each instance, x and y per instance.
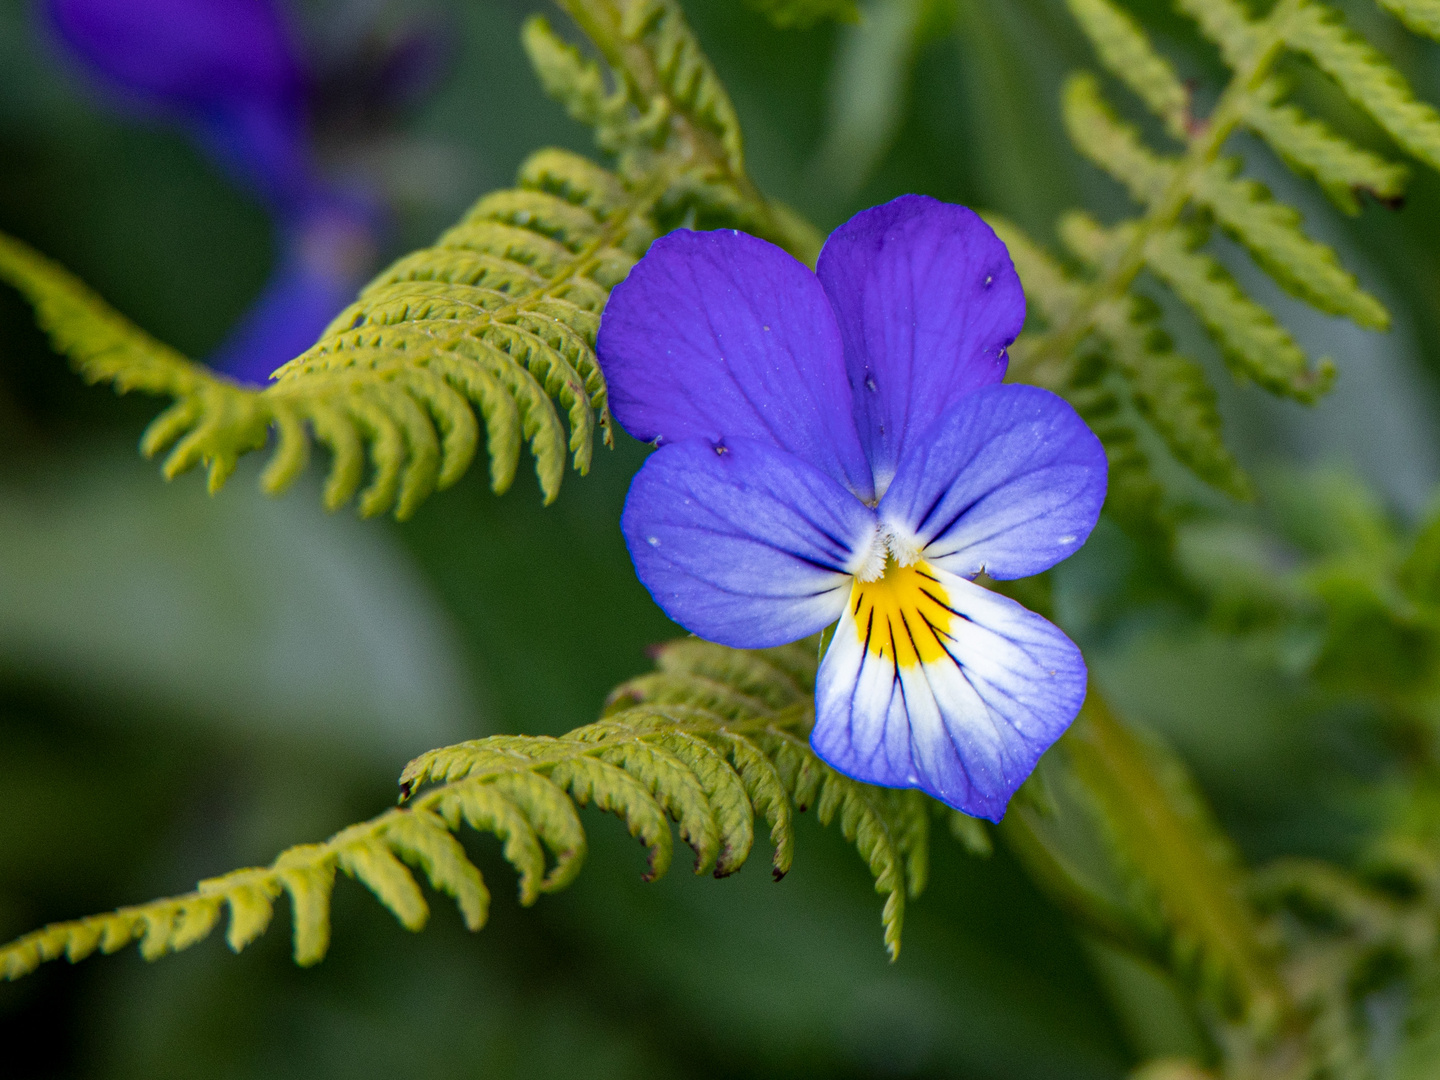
(712, 738)
(1421, 16)
(1097, 330)
(1354, 940)
(664, 113)
(1342, 169)
(1172, 888)
(867, 90)
(802, 14)
(498, 318)
(1134, 496)
(1304, 967)
(1366, 77)
(1327, 586)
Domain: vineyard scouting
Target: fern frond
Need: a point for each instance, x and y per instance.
(680, 70)
(1095, 325)
(1134, 496)
(496, 321)
(1339, 929)
(498, 318)
(1111, 144)
(1051, 291)
(711, 738)
(375, 853)
(1118, 835)
(1366, 77)
(1421, 16)
(1181, 863)
(1252, 342)
(1171, 392)
(1270, 231)
(1241, 41)
(664, 111)
(579, 84)
(210, 412)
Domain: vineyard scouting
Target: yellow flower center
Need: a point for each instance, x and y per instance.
(904, 614)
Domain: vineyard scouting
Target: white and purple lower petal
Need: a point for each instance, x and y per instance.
(742, 543)
(1009, 481)
(964, 711)
(718, 335)
(927, 301)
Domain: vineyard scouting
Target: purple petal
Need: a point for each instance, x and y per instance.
(968, 725)
(1009, 481)
(741, 543)
(718, 335)
(927, 302)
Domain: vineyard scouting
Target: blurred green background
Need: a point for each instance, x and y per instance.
(189, 684)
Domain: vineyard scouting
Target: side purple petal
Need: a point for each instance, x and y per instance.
(719, 335)
(1009, 481)
(928, 301)
(741, 543)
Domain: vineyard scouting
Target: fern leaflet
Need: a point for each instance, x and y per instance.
(1349, 935)
(663, 111)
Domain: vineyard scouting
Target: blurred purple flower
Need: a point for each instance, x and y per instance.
(231, 73)
(227, 69)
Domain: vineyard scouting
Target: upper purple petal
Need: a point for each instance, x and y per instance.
(742, 543)
(719, 335)
(1009, 481)
(927, 300)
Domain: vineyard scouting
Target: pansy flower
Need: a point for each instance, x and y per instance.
(838, 445)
